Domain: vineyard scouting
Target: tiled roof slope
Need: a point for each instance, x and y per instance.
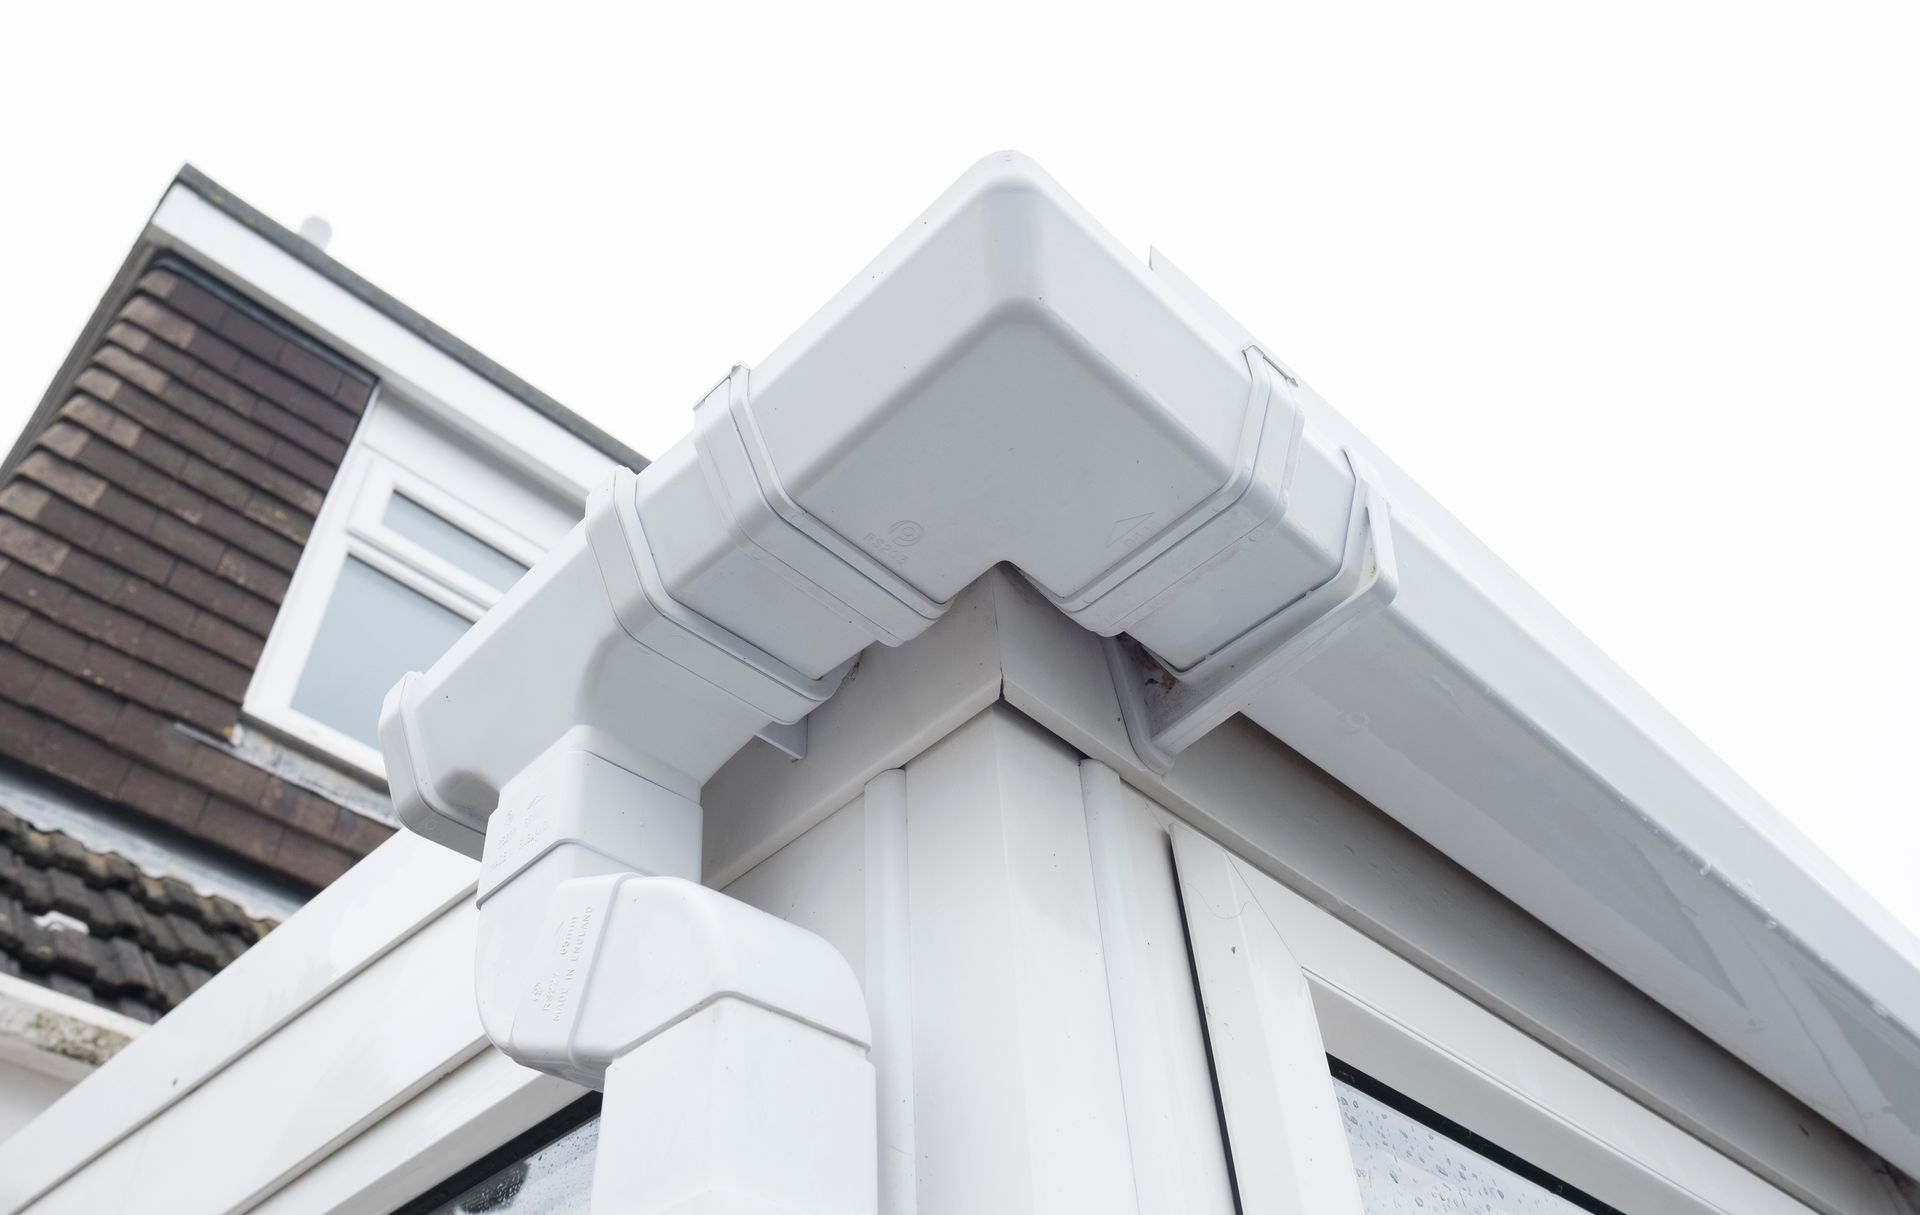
(147, 536)
(147, 942)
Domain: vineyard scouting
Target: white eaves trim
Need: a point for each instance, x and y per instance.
(56, 1035)
(399, 889)
(476, 408)
(1423, 673)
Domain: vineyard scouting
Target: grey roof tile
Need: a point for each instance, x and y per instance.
(144, 943)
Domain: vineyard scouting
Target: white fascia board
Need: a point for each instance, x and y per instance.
(398, 889)
(473, 406)
(1046, 400)
(1543, 768)
(319, 1081)
(1498, 622)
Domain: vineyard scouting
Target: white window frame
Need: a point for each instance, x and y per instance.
(350, 525)
(1277, 1105)
(1284, 985)
(372, 540)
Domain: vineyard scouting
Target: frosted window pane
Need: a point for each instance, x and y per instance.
(456, 544)
(373, 631)
(1408, 1168)
(556, 1180)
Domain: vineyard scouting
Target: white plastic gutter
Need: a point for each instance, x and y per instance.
(1006, 384)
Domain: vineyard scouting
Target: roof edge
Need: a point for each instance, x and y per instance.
(316, 259)
(131, 268)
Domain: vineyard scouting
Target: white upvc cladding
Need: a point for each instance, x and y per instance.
(968, 830)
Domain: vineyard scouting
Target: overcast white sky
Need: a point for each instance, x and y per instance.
(1635, 291)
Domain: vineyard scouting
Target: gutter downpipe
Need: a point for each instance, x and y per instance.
(1045, 401)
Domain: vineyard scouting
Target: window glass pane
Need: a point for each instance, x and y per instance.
(374, 630)
(1407, 1165)
(463, 548)
(556, 1180)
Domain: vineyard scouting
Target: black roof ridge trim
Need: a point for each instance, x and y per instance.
(440, 339)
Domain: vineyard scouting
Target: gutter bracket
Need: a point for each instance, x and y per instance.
(1166, 711)
(788, 738)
